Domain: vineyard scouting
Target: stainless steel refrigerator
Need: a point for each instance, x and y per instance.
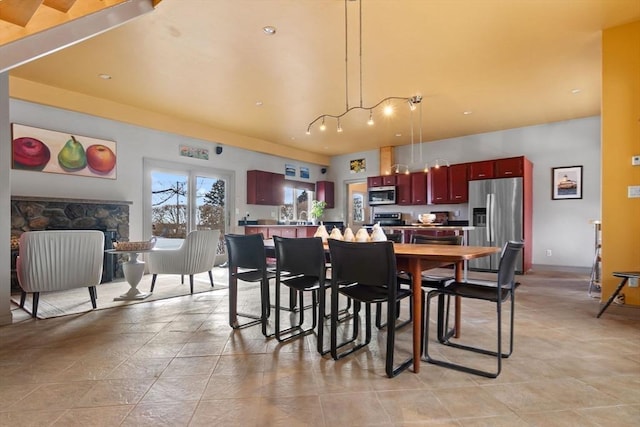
(496, 212)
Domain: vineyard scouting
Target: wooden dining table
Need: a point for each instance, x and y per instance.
(415, 258)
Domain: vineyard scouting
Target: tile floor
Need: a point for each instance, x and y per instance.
(176, 362)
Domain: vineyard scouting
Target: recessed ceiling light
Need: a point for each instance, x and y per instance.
(104, 76)
(269, 30)
(398, 134)
(293, 138)
(258, 103)
(574, 91)
(466, 113)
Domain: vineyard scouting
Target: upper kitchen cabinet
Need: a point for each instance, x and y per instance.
(418, 188)
(438, 179)
(374, 181)
(325, 193)
(403, 189)
(459, 183)
(448, 184)
(482, 170)
(389, 180)
(511, 167)
(265, 188)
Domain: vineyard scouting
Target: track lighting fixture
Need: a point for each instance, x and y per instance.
(388, 106)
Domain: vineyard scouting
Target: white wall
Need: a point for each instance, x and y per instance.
(133, 145)
(560, 225)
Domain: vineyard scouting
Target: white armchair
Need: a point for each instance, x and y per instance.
(197, 254)
(59, 260)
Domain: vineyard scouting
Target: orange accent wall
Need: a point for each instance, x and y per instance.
(620, 141)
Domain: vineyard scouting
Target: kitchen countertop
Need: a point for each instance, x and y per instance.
(429, 227)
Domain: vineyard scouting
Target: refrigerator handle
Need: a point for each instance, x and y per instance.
(488, 217)
(492, 218)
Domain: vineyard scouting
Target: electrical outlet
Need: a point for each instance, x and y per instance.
(549, 252)
(633, 282)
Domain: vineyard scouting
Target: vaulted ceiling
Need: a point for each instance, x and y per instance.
(479, 65)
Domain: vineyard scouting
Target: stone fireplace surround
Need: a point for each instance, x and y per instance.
(47, 213)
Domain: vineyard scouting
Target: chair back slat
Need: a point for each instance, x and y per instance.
(507, 266)
(300, 255)
(371, 263)
(246, 251)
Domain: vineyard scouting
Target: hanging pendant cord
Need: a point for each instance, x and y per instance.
(360, 41)
(346, 57)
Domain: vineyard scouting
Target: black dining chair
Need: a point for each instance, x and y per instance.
(300, 265)
(497, 293)
(430, 280)
(366, 273)
(247, 261)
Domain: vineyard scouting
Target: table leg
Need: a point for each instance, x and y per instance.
(416, 282)
(133, 271)
(613, 296)
(458, 304)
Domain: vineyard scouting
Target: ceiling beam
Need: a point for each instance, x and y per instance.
(18, 12)
(21, 51)
(61, 5)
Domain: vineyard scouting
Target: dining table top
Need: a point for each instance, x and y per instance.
(447, 253)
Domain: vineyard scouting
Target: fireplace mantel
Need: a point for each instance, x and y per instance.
(66, 200)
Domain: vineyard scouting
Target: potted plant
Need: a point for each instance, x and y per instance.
(317, 210)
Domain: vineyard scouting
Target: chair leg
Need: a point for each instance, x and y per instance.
(153, 282)
(23, 297)
(92, 295)
(391, 337)
(36, 298)
(182, 279)
(211, 278)
(191, 283)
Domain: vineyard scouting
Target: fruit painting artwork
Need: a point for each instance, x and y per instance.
(43, 150)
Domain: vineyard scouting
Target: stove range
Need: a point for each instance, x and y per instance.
(388, 218)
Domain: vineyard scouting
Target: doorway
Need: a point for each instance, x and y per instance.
(358, 212)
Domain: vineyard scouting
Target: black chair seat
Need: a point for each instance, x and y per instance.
(253, 275)
(371, 294)
(477, 291)
(304, 283)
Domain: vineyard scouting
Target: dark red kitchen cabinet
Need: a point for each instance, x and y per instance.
(438, 180)
(418, 188)
(482, 170)
(458, 183)
(510, 167)
(277, 189)
(403, 189)
(389, 180)
(265, 188)
(325, 193)
(374, 181)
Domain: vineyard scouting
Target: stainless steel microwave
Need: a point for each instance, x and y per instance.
(382, 195)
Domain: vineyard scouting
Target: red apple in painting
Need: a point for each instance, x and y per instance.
(100, 158)
(30, 153)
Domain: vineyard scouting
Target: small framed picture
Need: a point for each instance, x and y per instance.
(566, 182)
(304, 172)
(357, 166)
(289, 170)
